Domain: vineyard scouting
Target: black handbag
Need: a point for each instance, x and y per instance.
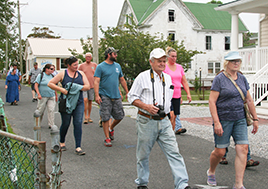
(62, 101)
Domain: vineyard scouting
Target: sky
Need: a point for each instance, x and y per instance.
(72, 19)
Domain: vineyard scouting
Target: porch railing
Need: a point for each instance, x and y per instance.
(255, 66)
(253, 59)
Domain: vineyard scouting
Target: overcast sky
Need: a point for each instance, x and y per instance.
(72, 19)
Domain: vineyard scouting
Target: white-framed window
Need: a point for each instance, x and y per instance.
(214, 68)
(208, 43)
(128, 18)
(171, 36)
(171, 15)
(189, 65)
(227, 42)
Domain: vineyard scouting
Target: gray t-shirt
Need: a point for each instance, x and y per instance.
(34, 73)
(230, 106)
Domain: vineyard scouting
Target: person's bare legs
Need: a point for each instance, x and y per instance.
(89, 109)
(114, 123)
(172, 119)
(240, 163)
(33, 93)
(105, 126)
(86, 108)
(215, 158)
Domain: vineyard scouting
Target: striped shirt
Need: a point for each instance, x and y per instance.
(142, 89)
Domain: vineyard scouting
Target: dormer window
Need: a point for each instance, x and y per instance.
(171, 15)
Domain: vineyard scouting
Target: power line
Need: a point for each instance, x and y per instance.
(57, 26)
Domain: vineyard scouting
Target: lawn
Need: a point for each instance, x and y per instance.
(195, 95)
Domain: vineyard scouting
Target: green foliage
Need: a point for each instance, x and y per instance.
(196, 84)
(8, 33)
(44, 32)
(215, 2)
(246, 39)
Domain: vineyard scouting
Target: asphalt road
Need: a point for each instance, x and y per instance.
(115, 167)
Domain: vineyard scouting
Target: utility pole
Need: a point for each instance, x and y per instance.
(20, 46)
(95, 31)
(6, 66)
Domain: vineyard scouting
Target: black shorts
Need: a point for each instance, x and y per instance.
(32, 86)
(176, 106)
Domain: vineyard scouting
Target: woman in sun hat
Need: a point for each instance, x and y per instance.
(227, 110)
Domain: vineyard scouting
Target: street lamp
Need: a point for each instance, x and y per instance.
(200, 71)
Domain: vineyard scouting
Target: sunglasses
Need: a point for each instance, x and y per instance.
(235, 61)
(51, 68)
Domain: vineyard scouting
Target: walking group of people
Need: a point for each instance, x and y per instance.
(157, 94)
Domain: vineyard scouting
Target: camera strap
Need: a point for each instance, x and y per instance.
(163, 84)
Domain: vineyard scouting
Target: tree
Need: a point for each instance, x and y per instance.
(246, 39)
(8, 33)
(44, 32)
(215, 2)
(134, 48)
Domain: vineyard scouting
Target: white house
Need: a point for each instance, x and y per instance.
(53, 51)
(199, 25)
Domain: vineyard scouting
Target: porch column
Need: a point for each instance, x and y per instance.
(234, 31)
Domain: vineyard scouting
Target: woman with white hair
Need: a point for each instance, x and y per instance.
(227, 110)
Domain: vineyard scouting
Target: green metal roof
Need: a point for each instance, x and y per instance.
(205, 14)
(212, 19)
(143, 8)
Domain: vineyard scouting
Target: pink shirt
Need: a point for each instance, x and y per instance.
(176, 77)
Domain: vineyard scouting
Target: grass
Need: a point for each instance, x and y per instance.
(195, 95)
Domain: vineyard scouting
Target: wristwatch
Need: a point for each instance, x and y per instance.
(255, 119)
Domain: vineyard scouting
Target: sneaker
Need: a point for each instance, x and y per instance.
(33, 100)
(242, 187)
(252, 163)
(223, 161)
(80, 152)
(142, 187)
(111, 134)
(189, 187)
(181, 130)
(211, 180)
(100, 123)
(107, 142)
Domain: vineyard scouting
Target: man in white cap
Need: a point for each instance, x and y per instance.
(151, 92)
(88, 68)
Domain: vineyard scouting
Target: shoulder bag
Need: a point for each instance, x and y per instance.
(247, 113)
(62, 101)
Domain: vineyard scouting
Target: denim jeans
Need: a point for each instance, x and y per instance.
(77, 115)
(177, 123)
(150, 131)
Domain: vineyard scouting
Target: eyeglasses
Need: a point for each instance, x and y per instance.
(51, 68)
(72, 57)
(235, 61)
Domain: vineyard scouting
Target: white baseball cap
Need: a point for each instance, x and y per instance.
(158, 53)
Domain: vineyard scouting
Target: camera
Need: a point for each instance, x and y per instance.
(161, 113)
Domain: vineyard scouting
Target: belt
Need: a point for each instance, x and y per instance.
(150, 116)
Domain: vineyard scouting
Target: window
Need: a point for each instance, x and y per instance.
(208, 42)
(129, 18)
(189, 65)
(227, 43)
(214, 67)
(62, 65)
(171, 15)
(171, 36)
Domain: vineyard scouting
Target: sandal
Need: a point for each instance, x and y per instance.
(223, 161)
(90, 120)
(251, 163)
(80, 152)
(63, 148)
(86, 121)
